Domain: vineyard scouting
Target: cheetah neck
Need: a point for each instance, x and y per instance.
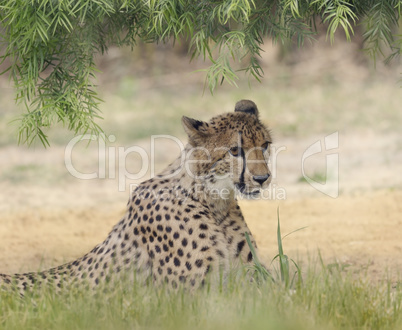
(185, 182)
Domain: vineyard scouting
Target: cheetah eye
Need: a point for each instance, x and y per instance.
(235, 151)
(265, 145)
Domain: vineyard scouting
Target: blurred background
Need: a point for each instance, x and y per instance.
(49, 216)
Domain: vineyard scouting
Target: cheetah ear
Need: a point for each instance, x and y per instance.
(196, 130)
(247, 106)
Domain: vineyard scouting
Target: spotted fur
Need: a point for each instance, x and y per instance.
(184, 223)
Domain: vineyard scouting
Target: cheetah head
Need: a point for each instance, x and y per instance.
(230, 152)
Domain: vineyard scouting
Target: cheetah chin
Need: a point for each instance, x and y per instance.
(242, 190)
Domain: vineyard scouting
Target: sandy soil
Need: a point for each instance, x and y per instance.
(45, 224)
(361, 231)
(48, 217)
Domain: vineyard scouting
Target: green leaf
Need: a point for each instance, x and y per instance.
(63, 38)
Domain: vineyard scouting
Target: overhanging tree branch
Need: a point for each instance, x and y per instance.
(51, 45)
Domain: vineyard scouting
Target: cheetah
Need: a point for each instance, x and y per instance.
(184, 223)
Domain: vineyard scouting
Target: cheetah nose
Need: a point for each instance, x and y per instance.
(261, 178)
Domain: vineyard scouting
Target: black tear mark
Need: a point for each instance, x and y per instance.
(243, 156)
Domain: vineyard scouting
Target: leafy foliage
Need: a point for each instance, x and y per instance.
(51, 45)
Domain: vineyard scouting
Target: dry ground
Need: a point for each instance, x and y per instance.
(362, 231)
(48, 217)
(45, 224)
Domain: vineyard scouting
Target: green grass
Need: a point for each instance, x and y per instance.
(32, 173)
(320, 177)
(325, 298)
